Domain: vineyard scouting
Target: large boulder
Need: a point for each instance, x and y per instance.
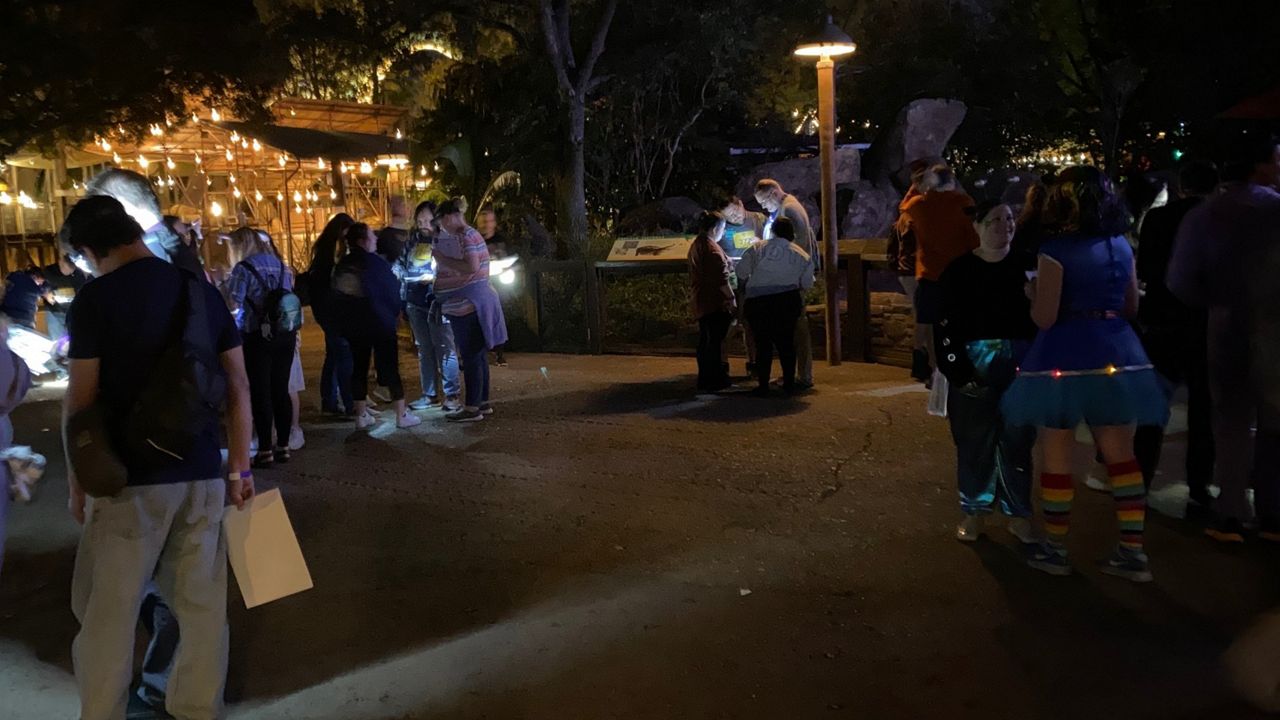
(673, 215)
(802, 177)
(922, 130)
(871, 212)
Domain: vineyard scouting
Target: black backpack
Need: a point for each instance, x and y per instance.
(281, 309)
(186, 390)
(182, 399)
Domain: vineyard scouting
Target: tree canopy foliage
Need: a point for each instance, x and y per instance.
(501, 88)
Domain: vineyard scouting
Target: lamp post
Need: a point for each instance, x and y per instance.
(829, 43)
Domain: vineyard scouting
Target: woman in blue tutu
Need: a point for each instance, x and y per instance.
(1087, 365)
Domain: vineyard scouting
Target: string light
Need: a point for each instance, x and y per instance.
(297, 209)
(115, 157)
(257, 195)
(143, 162)
(282, 161)
(215, 209)
(365, 167)
(333, 194)
(343, 168)
(195, 118)
(25, 200)
(169, 181)
(198, 158)
(235, 136)
(217, 117)
(257, 146)
(236, 192)
(230, 157)
(319, 163)
(231, 177)
(297, 196)
(399, 135)
(279, 197)
(244, 144)
(169, 163)
(5, 198)
(422, 170)
(156, 130)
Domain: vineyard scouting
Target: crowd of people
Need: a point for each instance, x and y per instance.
(1037, 326)
(168, 567)
(1053, 321)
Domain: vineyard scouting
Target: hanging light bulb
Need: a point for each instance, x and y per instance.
(297, 209)
(195, 118)
(343, 168)
(297, 196)
(399, 135)
(279, 197)
(198, 158)
(366, 167)
(208, 181)
(143, 162)
(115, 157)
(235, 136)
(215, 209)
(319, 163)
(169, 163)
(237, 193)
(435, 166)
(333, 194)
(5, 198)
(217, 117)
(244, 143)
(231, 178)
(156, 130)
(422, 170)
(169, 181)
(257, 146)
(230, 157)
(106, 146)
(282, 160)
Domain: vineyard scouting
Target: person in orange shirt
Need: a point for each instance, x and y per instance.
(938, 219)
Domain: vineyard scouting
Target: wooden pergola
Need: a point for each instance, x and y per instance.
(287, 177)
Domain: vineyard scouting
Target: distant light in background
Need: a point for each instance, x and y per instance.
(257, 146)
(215, 115)
(366, 167)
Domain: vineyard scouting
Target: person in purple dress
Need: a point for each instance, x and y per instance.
(1087, 365)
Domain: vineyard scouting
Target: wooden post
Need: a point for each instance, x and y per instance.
(830, 233)
(859, 312)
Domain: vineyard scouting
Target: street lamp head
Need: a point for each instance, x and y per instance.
(829, 42)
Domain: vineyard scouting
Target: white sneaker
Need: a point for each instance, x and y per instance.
(1093, 482)
(253, 444)
(408, 420)
(969, 529)
(365, 421)
(1022, 529)
(297, 440)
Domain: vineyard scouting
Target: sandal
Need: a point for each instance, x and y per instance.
(263, 461)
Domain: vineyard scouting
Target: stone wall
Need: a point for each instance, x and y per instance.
(892, 329)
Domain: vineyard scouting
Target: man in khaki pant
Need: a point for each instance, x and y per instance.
(166, 524)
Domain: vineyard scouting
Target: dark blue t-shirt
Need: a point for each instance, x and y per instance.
(22, 293)
(125, 319)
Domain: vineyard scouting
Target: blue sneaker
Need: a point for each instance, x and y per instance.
(1049, 559)
(1128, 564)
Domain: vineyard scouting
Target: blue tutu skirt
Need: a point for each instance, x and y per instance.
(1126, 397)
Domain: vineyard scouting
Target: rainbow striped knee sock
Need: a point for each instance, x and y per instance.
(1056, 493)
(1131, 502)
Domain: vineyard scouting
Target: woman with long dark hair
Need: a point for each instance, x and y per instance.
(1087, 365)
(367, 308)
(335, 374)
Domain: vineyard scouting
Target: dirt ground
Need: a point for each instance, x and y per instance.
(608, 545)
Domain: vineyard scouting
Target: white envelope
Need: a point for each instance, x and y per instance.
(264, 551)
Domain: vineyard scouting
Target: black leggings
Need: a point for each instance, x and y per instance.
(712, 329)
(384, 351)
(773, 322)
(267, 363)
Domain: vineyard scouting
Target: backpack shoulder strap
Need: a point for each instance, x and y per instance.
(261, 282)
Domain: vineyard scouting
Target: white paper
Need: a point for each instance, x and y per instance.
(264, 551)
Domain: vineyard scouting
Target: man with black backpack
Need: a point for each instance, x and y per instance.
(153, 355)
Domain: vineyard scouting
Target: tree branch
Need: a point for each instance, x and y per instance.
(551, 35)
(597, 45)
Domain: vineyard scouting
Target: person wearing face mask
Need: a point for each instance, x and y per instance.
(134, 192)
(711, 298)
(779, 205)
(985, 328)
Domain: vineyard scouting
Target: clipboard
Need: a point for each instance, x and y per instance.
(264, 551)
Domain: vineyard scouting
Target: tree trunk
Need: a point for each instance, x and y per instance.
(571, 188)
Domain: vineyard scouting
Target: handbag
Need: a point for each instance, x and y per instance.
(98, 469)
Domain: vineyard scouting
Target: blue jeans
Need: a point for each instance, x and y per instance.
(993, 459)
(474, 355)
(437, 356)
(335, 375)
